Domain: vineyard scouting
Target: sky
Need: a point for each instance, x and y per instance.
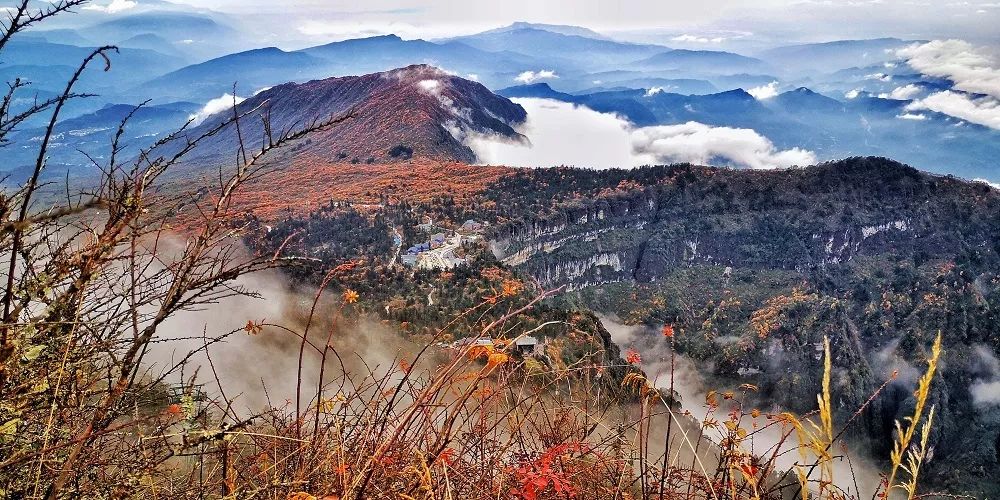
(724, 23)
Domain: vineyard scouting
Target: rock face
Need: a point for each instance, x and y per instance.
(792, 220)
(414, 112)
(757, 268)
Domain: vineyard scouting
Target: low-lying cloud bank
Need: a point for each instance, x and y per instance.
(974, 73)
(565, 134)
(219, 104)
(694, 142)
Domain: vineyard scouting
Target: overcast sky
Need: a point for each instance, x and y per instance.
(709, 20)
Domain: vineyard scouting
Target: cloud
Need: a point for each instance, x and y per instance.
(993, 185)
(562, 134)
(764, 91)
(219, 104)
(533, 76)
(429, 86)
(970, 69)
(912, 116)
(565, 134)
(980, 110)
(699, 143)
(882, 77)
(904, 93)
(114, 7)
(652, 91)
(853, 94)
(697, 39)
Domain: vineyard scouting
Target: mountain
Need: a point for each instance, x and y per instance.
(251, 70)
(803, 118)
(89, 136)
(554, 28)
(756, 268)
(127, 65)
(381, 53)
(154, 42)
(556, 50)
(259, 68)
(536, 90)
(61, 36)
(417, 112)
(172, 26)
(828, 56)
(702, 61)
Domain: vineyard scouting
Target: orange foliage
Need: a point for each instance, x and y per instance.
(302, 187)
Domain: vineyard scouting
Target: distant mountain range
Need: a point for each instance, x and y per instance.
(646, 83)
(803, 118)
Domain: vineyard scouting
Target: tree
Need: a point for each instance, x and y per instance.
(90, 278)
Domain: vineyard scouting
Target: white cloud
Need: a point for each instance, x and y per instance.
(429, 86)
(114, 7)
(853, 94)
(653, 91)
(533, 76)
(971, 69)
(904, 93)
(981, 110)
(912, 116)
(993, 185)
(764, 91)
(697, 39)
(564, 134)
(217, 105)
(882, 77)
(699, 143)
(472, 76)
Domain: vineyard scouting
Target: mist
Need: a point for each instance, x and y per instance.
(692, 386)
(565, 134)
(259, 370)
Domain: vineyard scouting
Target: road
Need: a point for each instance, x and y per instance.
(397, 241)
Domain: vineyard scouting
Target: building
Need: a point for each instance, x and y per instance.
(470, 226)
(472, 341)
(527, 346)
(438, 239)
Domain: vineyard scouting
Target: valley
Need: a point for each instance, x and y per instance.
(250, 257)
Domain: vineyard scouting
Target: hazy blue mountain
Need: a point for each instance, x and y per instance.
(552, 48)
(260, 68)
(63, 36)
(200, 35)
(128, 66)
(251, 70)
(173, 26)
(702, 61)
(92, 133)
(381, 53)
(803, 118)
(153, 42)
(829, 56)
(536, 90)
(554, 28)
(672, 85)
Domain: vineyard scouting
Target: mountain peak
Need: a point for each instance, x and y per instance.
(420, 107)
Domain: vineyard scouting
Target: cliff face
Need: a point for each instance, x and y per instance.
(749, 220)
(756, 268)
